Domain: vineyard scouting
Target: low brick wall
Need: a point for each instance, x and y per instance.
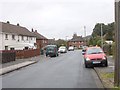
(20, 54)
(12, 55)
(7, 56)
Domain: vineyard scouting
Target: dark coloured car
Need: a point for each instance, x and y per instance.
(95, 55)
(51, 50)
(84, 49)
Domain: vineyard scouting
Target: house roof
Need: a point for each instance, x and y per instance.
(38, 35)
(51, 41)
(77, 39)
(16, 29)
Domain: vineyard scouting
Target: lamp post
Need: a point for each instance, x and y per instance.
(117, 41)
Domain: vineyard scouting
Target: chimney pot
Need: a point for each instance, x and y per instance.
(8, 22)
(35, 30)
(32, 30)
(18, 24)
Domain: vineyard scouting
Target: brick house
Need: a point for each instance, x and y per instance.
(52, 42)
(76, 41)
(41, 41)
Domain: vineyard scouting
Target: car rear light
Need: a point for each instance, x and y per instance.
(104, 58)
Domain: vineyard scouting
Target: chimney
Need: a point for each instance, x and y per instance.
(74, 35)
(36, 31)
(8, 22)
(18, 24)
(32, 30)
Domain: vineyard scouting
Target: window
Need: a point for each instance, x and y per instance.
(42, 41)
(22, 37)
(12, 48)
(27, 38)
(45, 41)
(18, 38)
(13, 37)
(6, 36)
(26, 48)
(6, 47)
(74, 42)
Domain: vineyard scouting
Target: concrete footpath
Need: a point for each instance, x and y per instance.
(19, 63)
(106, 74)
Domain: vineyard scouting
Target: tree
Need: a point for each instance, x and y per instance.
(61, 42)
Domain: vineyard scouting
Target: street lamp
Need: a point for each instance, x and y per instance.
(66, 38)
(84, 31)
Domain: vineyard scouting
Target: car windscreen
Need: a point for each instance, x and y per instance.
(62, 47)
(94, 51)
(50, 48)
(71, 47)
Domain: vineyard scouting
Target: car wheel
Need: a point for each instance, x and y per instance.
(89, 66)
(55, 55)
(105, 64)
(86, 66)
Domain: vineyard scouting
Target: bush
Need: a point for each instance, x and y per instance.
(113, 50)
(108, 49)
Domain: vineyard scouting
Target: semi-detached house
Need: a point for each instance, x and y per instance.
(76, 41)
(16, 37)
(41, 41)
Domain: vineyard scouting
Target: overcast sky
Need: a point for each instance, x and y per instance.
(58, 18)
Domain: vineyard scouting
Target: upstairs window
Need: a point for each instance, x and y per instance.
(6, 36)
(13, 37)
(27, 38)
(18, 38)
(22, 37)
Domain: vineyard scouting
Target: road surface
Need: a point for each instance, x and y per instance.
(65, 71)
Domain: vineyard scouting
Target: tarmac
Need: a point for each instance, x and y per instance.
(20, 63)
(17, 64)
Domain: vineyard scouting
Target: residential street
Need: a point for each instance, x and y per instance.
(65, 71)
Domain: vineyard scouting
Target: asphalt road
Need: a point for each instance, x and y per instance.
(65, 71)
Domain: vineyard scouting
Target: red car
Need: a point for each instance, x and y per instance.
(95, 55)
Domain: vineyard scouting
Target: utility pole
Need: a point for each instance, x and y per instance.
(101, 36)
(85, 34)
(117, 38)
(84, 31)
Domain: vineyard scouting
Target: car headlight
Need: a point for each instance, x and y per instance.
(104, 58)
(87, 59)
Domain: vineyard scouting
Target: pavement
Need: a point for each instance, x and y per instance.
(17, 64)
(106, 73)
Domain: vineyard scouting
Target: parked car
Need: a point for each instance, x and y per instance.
(95, 55)
(71, 48)
(51, 50)
(62, 49)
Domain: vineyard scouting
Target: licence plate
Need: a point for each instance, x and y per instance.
(50, 51)
(96, 62)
